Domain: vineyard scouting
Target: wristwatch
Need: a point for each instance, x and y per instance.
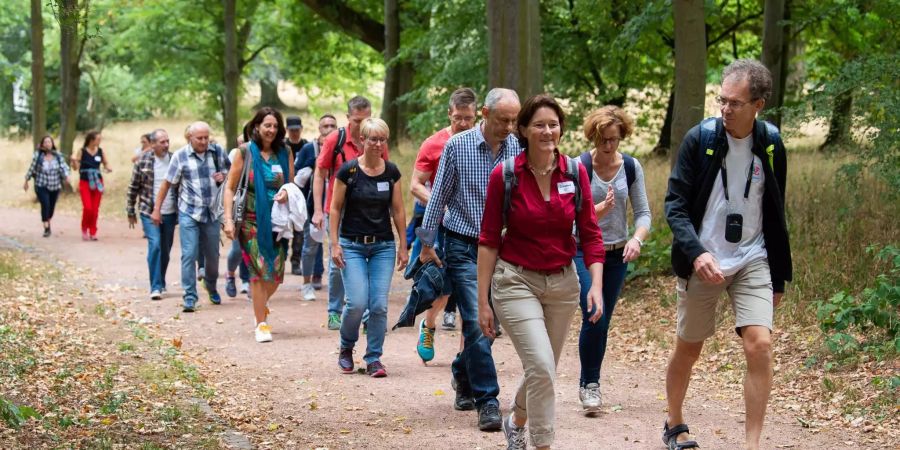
(640, 242)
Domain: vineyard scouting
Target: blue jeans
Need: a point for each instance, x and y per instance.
(473, 368)
(47, 198)
(592, 340)
(198, 238)
(235, 260)
(367, 274)
(336, 294)
(159, 245)
(311, 255)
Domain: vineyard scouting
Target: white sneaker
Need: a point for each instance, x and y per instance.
(155, 294)
(309, 293)
(263, 332)
(590, 397)
(245, 287)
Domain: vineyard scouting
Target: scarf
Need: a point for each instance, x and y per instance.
(263, 207)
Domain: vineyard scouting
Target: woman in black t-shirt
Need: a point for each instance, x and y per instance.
(87, 162)
(366, 198)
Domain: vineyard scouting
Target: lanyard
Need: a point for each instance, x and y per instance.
(749, 178)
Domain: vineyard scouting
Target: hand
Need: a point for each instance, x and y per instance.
(337, 255)
(707, 269)
(486, 320)
(428, 254)
(218, 177)
(595, 301)
(402, 259)
(131, 221)
(603, 208)
(632, 250)
(26, 186)
(228, 228)
(776, 299)
(281, 197)
(155, 216)
(107, 169)
(318, 219)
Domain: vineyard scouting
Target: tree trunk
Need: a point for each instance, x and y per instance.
(231, 74)
(690, 70)
(665, 134)
(514, 40)
(389, 105)
(774, 55)
(70, 48)
(839, 125)
(38, 93)
(268, 93)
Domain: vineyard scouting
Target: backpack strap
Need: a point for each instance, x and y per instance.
(338, 150)
(630, 171)
(588, 164)
(509, 182)
(573, 174)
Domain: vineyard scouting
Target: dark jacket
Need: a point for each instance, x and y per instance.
(691, 182)
(429, 283)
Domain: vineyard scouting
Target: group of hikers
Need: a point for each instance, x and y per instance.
(506, 230)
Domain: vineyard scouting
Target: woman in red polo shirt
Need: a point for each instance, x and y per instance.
(529, 269)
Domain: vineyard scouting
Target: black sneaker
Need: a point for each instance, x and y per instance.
(489, 417)
(47, 232)
(464, 400)
(345, 360)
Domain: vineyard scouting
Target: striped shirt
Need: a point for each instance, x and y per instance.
(461, 183)
(47, 174)
(194, 173)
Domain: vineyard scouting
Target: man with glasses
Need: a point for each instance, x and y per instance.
(339, 147)
(725, 205)
(147, 178)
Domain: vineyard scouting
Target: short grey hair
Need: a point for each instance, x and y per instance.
(197, 126)
(358, 103)
(463, 97)
(154, 135)
(757, 75)
(497, 95)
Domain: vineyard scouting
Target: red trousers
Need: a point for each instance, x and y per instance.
(90, 200)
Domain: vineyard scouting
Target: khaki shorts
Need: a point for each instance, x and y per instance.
(750, 291)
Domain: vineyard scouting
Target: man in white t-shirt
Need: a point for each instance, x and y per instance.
(725, 205)
(146, 178)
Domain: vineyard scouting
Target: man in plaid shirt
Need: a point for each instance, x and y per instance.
(198, 168)
(147, 178)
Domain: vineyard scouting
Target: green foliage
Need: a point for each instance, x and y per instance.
(15, 416)
(655, 254)
(872, 315)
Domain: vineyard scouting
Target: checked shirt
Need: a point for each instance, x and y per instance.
(194, 173)
(461, 183)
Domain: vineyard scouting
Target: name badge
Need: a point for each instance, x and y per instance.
(98, 158)
(621, 185)
(277, 169)
(566, 187)
(383, 186)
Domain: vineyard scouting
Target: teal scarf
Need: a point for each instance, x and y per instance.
(263, 206)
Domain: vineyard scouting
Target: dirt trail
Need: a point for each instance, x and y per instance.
(290, 394)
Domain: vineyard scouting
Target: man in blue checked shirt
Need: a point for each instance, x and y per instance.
(461, 187)
(197, 168)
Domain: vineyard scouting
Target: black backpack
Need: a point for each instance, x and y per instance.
(338, 150)
(627, 160)
(510, 181)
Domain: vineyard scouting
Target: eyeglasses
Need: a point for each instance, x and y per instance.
(733, 104)
(376, 140)
(610, 141)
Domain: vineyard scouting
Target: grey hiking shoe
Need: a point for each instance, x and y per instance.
(515, 436)
(590, 397)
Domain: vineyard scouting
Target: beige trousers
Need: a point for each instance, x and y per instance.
(536, 310)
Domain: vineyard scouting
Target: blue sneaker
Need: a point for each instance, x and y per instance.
(215, 298)
(230, 287)
(190, 305)
(425, 347)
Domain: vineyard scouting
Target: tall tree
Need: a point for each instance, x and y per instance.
(38, 93)
(73, 22)
(231, 73)
(390, 106)
(514, 40)
(690, 69)
(775, 54)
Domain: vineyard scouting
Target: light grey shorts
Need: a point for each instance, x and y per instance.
(750, 291)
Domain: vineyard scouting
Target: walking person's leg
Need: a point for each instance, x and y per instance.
(336, 294)
(296, 251)
(355, 272)
(84, 191)
(43, 196)
(189, 235)
(209, 248)
(166, 239)
(152, 231)
(380, 269)
(51, 205)
(96, 196)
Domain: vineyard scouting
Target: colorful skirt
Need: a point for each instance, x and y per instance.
(256, 264)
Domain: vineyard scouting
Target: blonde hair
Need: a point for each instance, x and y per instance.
(605, 117)
(373, 124)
